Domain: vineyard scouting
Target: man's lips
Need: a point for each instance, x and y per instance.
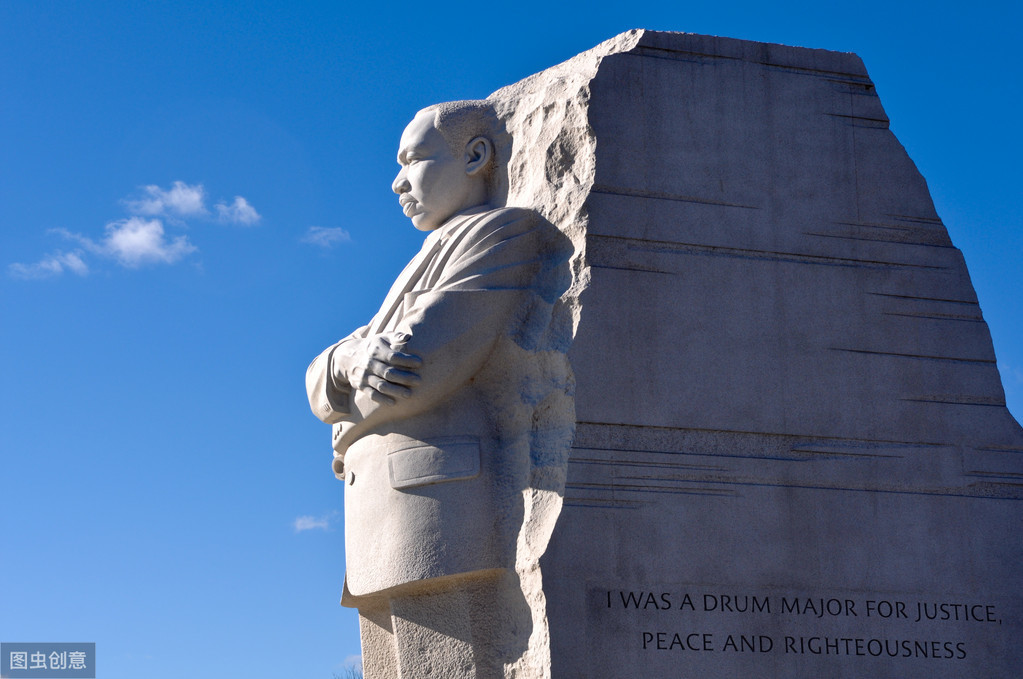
(408, 205)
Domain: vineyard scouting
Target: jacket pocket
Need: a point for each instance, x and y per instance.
(451, 458)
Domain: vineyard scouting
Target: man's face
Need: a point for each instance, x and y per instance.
(432, 184)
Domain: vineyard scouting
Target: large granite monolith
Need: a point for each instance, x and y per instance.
(792, 455)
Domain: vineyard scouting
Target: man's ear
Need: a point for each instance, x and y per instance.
(478, 154)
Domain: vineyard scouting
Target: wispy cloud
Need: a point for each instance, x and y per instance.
(133, 242)
(238, 212)
(181, 199)
(49, 266)
(1010, 372)
(136, 241)
(323, 522)
(326, 237)
(140, 238)
(352, 662)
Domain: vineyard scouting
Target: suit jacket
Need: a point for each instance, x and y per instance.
(433, 483)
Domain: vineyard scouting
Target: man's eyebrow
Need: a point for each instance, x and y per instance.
(405, 151)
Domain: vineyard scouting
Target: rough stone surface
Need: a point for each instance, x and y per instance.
(791, 435)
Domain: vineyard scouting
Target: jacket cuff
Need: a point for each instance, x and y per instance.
(338, 396)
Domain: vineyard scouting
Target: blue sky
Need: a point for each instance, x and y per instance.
(194, 201)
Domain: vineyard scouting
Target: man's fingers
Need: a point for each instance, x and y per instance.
(391, 374)
(380, 350)
(380, 398)
(402, 360)
(387, 374)
(400, 376)
(388, 388)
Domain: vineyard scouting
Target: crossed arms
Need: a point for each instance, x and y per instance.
(445, 334)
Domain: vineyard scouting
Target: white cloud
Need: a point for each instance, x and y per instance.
(140, 238)
(1010, 372)
(86, 243)
(180, 199)
(135, 241)
(326, 237)
(50, 265)
(189, 200)
(352, 662)
(323, 522)
(238, 212)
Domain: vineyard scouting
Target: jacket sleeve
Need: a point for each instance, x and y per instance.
(330, 402)
(482, 295)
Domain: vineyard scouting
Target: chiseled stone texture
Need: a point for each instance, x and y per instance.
(785, 386)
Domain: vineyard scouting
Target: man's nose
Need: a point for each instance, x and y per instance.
(400, 184)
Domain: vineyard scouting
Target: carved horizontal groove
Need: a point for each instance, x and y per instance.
(924, 299)
(866, 86)
(715, 453)
(918, 219)
(638, 463)
(958, 400)
(1012, 492)
(602, 503)
(924, 357)
(647, 488)
(1002, 449)
(888, 227)
(628, 480)
(921, 357)
(686, 55)
(755, 454)
(660, 195)
(882, 123)
(586, 429)
(639, 244)
(841, 453)
(937, 317)
(781, 457)
(995, 475)
(793, 454)
(878, 240)
(641, 269)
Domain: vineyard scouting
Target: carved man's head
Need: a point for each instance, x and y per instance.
(447, 158)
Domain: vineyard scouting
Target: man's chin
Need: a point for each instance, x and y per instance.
(423, 222)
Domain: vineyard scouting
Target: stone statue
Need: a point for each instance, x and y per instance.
(449, 409)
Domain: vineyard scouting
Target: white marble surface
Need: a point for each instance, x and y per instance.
(452, 418)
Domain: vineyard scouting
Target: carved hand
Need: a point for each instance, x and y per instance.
(377, 366)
